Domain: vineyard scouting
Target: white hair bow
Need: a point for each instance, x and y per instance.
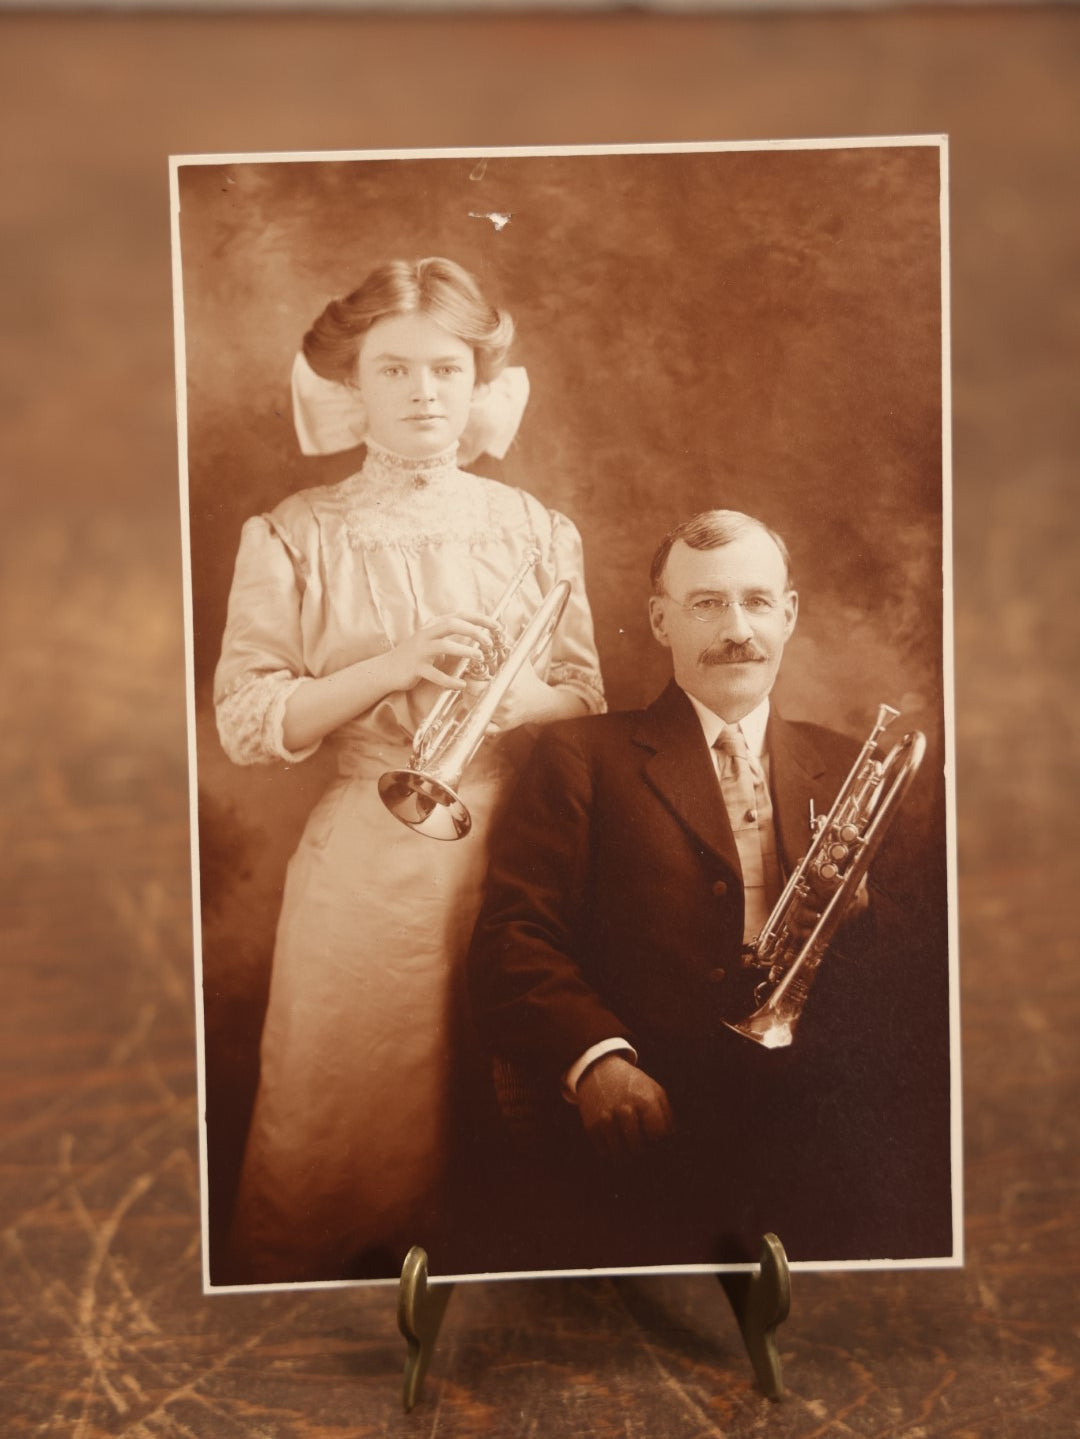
(329, 416)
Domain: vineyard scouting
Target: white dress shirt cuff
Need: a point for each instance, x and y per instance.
(591, 1055)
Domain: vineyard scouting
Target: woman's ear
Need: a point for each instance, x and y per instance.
(480, 391)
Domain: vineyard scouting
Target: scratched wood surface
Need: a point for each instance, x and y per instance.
(105, 1330)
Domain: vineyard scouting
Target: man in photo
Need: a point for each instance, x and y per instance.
(640, 855)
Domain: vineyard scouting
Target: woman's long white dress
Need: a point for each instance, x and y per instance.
(348, 1139)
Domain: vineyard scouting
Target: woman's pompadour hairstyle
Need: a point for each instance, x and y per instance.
(436, 287)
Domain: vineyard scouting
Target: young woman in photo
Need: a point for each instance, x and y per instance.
(351, 606)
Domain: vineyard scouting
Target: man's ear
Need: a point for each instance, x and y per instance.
(791, 613)
(658, 620)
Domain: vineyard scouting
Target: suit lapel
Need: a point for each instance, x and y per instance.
(680, 770)
(795, 771)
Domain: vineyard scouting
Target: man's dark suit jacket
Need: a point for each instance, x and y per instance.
(615, 908)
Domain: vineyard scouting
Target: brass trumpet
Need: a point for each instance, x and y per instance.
(424, 794)
(844, 843)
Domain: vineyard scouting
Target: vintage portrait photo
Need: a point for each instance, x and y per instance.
(567, 553)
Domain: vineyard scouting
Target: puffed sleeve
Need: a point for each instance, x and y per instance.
(574, 664)
(262, 650)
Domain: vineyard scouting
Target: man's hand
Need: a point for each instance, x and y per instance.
(621, 1108)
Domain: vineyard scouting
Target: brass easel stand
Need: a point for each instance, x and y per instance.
(761, 1301)
(420, 1313)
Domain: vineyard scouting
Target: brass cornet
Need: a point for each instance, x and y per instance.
(844, 844)
(424, 794)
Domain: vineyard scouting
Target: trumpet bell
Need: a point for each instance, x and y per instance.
(767, 1029)
(424, 803)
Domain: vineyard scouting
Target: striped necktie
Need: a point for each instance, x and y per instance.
(746, 795)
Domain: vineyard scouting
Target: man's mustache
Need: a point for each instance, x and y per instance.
(730, 653)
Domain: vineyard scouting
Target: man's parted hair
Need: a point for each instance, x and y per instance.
(709, 530)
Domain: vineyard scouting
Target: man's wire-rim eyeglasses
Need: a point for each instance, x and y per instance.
(709, 608)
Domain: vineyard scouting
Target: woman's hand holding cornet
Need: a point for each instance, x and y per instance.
(318, 706)
(462, 636)
(531, 700)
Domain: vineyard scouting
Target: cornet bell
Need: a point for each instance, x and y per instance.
(424, 803)
(423, 796)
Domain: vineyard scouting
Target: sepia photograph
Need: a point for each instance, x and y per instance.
(568, 596)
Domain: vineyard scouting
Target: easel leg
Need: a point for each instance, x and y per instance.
(762, 1301)
(420, 1313)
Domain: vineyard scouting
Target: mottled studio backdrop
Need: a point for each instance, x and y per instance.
(757, 330)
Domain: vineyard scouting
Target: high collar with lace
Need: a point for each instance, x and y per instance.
(383, 465)
(416, 504)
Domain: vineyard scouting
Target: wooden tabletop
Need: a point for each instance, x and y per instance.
(106, 1330)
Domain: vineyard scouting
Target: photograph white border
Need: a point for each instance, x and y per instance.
(938, 141)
